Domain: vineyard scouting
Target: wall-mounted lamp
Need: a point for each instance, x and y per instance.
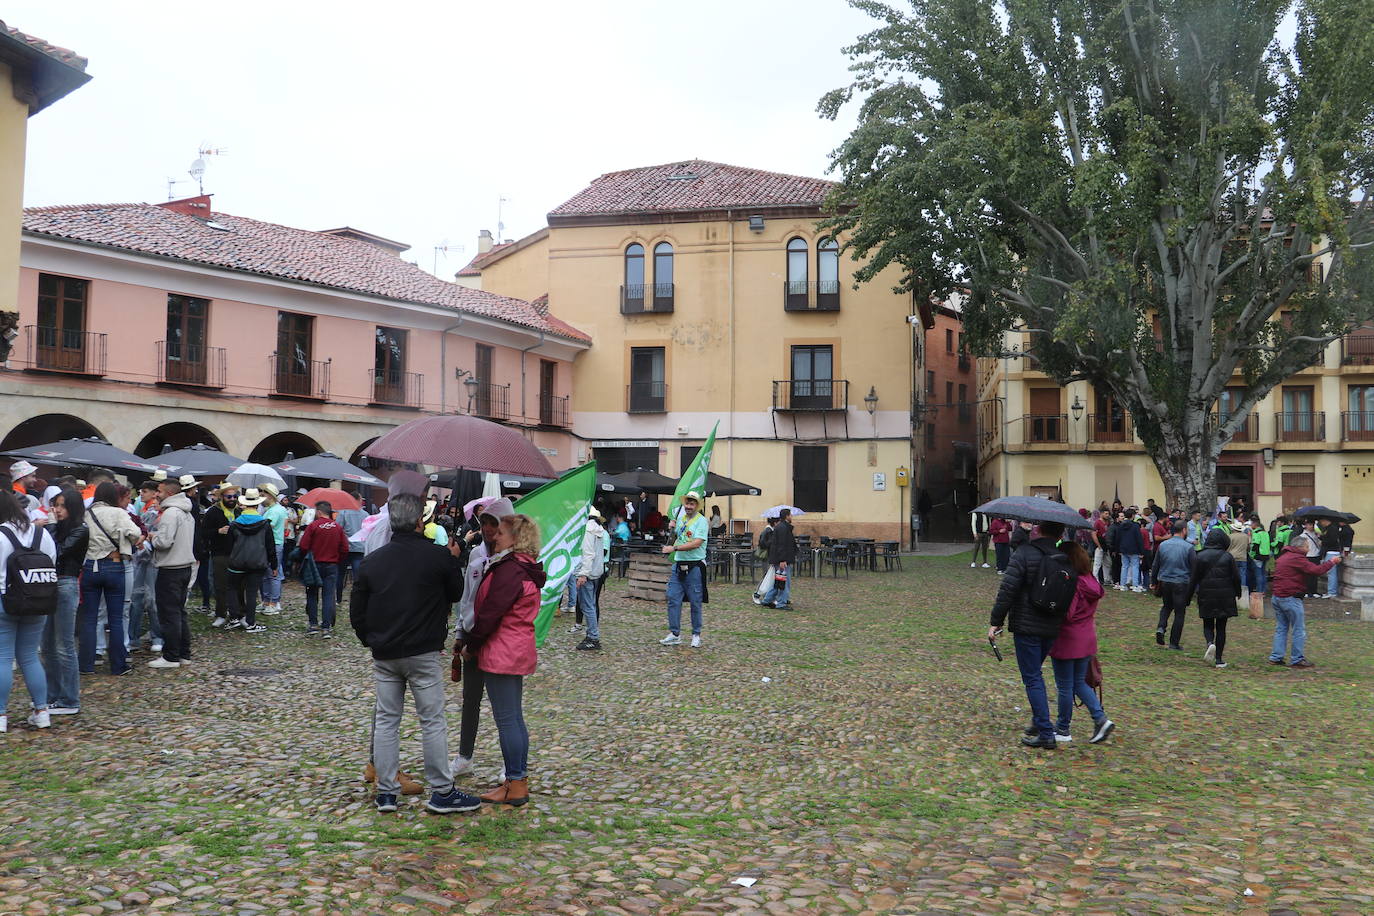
(1077, 409)
(459, 373)
(1267, 454)
(471, 384)
(756, 223)
(871, 400)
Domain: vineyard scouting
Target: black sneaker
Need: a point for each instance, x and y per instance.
(1036, 741)
(1159, 637)
(590, 644)
(452, 802)
(1175, 647)
(386, 802)
(1101, 730)
(1031, 731)
(785, 607)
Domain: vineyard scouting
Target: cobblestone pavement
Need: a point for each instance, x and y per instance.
(855, 756)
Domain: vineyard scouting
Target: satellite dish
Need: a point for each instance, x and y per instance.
(197, 170)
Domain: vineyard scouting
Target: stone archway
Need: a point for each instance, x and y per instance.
(45, 428)
(273, 449)
(177, 435)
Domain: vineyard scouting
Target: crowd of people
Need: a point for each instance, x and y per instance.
(1053, 578)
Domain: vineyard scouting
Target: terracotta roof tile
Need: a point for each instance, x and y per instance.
(61, 55)
(242, 244)
(690, 185)
(474, 267)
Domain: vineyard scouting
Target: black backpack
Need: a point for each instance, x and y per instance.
(30, 578)
(1054, 584)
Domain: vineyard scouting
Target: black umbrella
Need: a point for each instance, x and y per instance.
(1033, 509)
(199, 461)
(1350, 518)
(89, 452)
(718, 485)
(327, 466)
(641, 480)
(1321, 512)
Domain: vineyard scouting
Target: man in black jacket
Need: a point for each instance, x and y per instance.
(400, 609)
(782, 553)
(1033, 631)
(214, 535)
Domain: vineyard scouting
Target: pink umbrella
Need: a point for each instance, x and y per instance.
(468, 443)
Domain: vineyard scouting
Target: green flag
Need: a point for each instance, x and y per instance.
(694, 478)
(559, 508)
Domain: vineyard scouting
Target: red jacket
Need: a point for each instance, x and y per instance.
(325, 540)
(508, 600)
(1078, 636)
(1000, 529)
(1291, 571)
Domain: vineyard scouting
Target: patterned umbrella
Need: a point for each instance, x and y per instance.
(1033, 509)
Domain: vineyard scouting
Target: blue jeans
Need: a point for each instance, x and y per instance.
(1130, 569)
(586, 604)
(1244, 569)
(349, 566)
(693, 587)
(144, 601)
(1333, 575)
(1259, 581)
(59, 647)
(271, 585)
(1288, 618)
(1031, 652)
(329, 574)
(102, 579)
(1071, 680)
(776, 596)
(19, 639)
(505, 693)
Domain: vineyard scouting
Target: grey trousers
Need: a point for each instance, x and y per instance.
(425, 675)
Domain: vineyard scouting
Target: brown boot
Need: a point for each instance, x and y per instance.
(408, 785)
(511, 792)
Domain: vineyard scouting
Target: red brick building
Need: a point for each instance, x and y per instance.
(945, 428)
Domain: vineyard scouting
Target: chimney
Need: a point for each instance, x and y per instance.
(190, 206)
(484, 241)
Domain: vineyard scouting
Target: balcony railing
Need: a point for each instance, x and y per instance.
(1300, 426)
(1249, 430)
(642, 298)
(1045, 428)
(293, 377)
(1357, 349)
(811, 394)
(1109, 428)
(814, 296)
(63, 350)
(553, 411)
(1357, 426)
(965, 362)
(491, 401)
(191, 364)
(397, 389)
(646, 397)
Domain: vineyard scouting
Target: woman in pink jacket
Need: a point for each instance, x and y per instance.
(502, 640)
(1074, 648)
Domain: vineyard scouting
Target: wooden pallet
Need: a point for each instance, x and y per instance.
(648, 576)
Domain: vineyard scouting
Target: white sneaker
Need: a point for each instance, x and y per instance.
(461, 765)
(234, 624)
(985, 566)
(696, 642)
(1211, 654)
(219, 621)
(255, 628)
(163, 663)
(576, 628)
(4, 724)
(63, 710)
(971, 565)
(40, 719)
(156, 647)
(670, 640)
(271, 610)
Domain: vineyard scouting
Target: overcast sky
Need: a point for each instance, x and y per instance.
(410, 119)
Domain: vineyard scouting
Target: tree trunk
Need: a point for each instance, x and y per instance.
(1189, 471)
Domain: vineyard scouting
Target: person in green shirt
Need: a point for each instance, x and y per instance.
(688, 553)
(1260, 549)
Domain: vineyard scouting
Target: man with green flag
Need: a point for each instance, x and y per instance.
(688, 575)
(693, 479)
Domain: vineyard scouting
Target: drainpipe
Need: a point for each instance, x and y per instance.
(730, 286)
(522, 372)
(443, 364)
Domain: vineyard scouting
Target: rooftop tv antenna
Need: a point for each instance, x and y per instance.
(500, 226)
(445, 248)
(197, 169)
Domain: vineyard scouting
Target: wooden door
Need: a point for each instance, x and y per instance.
(293, 353)
(186, 324)
(61, 329)
(1299, 489)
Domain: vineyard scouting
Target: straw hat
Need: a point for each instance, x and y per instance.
(251, 497)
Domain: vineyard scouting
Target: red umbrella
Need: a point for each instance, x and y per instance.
(468, 443)
(336, 498)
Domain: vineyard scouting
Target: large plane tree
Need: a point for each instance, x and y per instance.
(1163, 193)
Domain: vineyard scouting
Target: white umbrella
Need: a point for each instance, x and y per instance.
(777, 510)
(255, 475)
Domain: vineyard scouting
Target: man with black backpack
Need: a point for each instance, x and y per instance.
(1033, 600)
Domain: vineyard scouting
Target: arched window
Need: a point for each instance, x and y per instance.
(797, 257)
(632, 293)
(828, 274)
(663, 277)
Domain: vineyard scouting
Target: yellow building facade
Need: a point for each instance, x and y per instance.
(1310, 441)
(711, 296)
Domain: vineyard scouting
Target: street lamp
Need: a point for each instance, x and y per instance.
(871, 400)
(1077, 409)
(471, 383)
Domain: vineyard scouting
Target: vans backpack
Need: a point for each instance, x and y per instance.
(1054, 584)
(30, 577)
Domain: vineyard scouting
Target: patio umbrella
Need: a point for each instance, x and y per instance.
(327, 466)
(718, 485)
(199, 460)
(510, 483)
(255, 475)
(1033, 509)
(336, 498)
(777, 510)
(1321, 512)
(469, 443)
(642, 480)
(89, 452)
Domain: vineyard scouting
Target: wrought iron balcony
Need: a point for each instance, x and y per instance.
(553, 411)
(490, 401)
(811, 394)
(397, 389)
(51, 349)
(1357, 348)
(1357, 426)
(646, 397)
(294, 377)
(191, 364)
(1042, 428)
(643, 298)
(813, 296)
(1108, 428)
(1300, 426)
(1249, 430)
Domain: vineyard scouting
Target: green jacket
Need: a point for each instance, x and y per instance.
(1281, 535)
(1259, 544)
